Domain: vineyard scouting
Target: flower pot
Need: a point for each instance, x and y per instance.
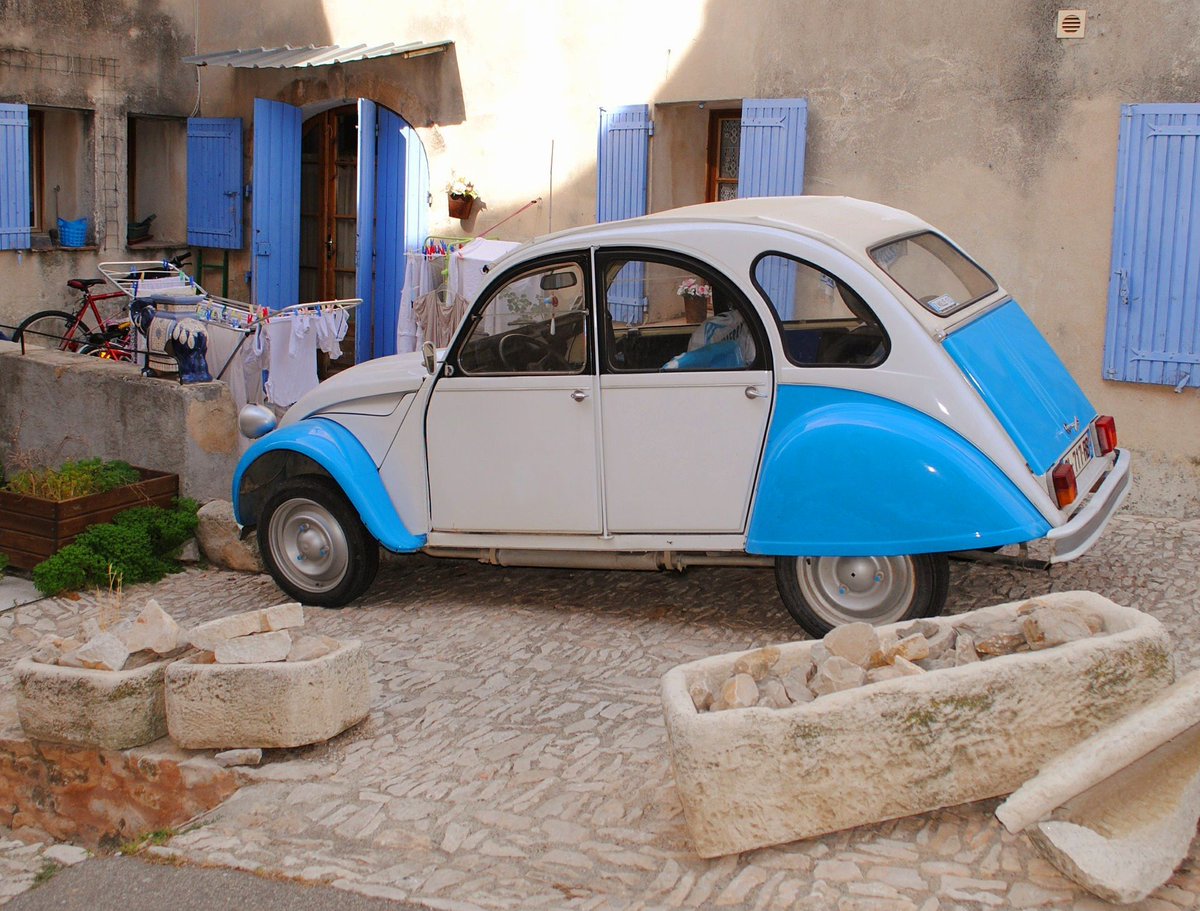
(695, 308)
(460, 206)
(32, 529)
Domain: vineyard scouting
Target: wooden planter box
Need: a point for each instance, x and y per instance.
(32, 529)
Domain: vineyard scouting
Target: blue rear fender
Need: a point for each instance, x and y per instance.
(850, 474)
(339, 453)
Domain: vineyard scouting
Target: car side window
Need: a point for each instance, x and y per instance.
(535, 323)
(824, 322)
(667, 314)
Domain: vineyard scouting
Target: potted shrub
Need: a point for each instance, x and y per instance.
(44, 510)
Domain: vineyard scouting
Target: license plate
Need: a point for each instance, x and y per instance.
(1079, 455)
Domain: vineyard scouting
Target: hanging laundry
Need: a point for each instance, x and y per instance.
(289, 375)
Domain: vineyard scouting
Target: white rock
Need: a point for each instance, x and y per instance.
(207, 636)
(1047, 627)
(757, 663)
(104, 653)
(964, 650)
(907, 668)
(702, 695)
(795, 683)
(306, 648)
(913, 648)
(739, 692)
(221, 542)
(255, 649)
(855, 642)
(239, 757)
(66, 855)
(153, 629)
(836, 674)
(773, 694)
(190, 551)
(282, 616)
(89, 629)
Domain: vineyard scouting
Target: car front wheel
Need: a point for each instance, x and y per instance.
(823, 592)
(314, 544)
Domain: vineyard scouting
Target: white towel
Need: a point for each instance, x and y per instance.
(289, 375)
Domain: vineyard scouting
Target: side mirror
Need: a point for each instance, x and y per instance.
(429, 357)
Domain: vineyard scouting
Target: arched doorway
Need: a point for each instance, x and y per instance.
(340, 197)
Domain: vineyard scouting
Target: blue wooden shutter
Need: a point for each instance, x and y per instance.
(771, 158)
(14, 177)
(365, 323)
(622, 166)
(275, 211)
(1153, 329)
(401, 185)
(622, 162)
(214, 182)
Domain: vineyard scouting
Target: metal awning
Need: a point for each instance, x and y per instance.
(312, 55)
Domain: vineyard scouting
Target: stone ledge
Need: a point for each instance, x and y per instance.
(103, 798)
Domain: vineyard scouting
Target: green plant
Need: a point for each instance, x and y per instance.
(3, 565)
(73, 479)
(49, 868)
(157, 837)
(133, 547)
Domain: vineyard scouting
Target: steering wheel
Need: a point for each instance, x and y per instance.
(518, 353)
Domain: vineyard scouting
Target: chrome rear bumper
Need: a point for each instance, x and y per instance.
(1079, 534)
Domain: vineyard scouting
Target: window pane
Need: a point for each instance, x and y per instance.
(934, 272)
(689, 322)
(537, 323)
(825, 322)
(731, 141)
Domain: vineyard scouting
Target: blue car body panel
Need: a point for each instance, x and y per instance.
(340, 453)
(1023, 382)
(850, 474)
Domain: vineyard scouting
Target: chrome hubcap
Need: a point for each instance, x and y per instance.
(873, 590)
(309, 545)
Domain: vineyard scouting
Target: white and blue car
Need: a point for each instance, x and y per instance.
(821, 384)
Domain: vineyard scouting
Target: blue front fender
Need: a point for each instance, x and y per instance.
(339, 452)
(849, 474)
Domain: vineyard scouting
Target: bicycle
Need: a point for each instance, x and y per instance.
(87, 330)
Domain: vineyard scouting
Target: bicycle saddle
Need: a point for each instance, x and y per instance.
(82, 284)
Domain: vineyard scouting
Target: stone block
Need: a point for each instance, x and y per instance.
(207, 636)
(153, 629)
(254, 649)
(1117, 812)
(114, 710)
(281, 704)
(759, 777)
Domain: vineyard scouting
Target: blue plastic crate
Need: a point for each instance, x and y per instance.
(72, 233)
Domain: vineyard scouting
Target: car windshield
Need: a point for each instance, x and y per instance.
(938, 275)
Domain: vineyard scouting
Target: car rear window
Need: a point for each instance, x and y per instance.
(937, 274)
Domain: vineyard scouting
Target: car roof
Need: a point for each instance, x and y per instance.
(852, 224)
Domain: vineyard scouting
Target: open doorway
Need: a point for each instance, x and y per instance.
(328, 216)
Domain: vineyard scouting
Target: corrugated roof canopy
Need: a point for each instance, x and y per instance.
(312, 55)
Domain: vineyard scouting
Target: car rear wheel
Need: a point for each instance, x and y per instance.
(823, 592)
(314, 544)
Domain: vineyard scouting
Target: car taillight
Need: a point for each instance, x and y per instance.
(1106, 433)
(1064, 485)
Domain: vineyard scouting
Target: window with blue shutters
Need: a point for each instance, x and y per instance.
(622, 170)
(1153, 329)
(214, 188)
(275, 204)
(14, 177)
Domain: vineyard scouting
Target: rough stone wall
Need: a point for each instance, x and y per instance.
(110, 57)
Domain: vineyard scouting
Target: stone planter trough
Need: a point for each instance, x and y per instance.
(114, 710)
(271, 704)
(754, 777)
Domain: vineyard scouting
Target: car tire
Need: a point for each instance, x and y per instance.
(314, 544)
(823, 592)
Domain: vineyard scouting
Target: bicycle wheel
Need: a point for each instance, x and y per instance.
(52, 329)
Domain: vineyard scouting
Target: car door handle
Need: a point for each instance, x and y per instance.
(753, 392)
(579, 395)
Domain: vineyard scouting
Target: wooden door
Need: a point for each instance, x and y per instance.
(328, 213)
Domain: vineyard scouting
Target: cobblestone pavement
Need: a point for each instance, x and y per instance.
(515, 756)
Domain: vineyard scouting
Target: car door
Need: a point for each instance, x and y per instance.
(511, 423)
(686, 392)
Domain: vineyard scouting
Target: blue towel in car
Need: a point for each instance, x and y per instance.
(726, 355)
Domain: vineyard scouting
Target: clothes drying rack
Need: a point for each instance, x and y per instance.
(165, 282)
